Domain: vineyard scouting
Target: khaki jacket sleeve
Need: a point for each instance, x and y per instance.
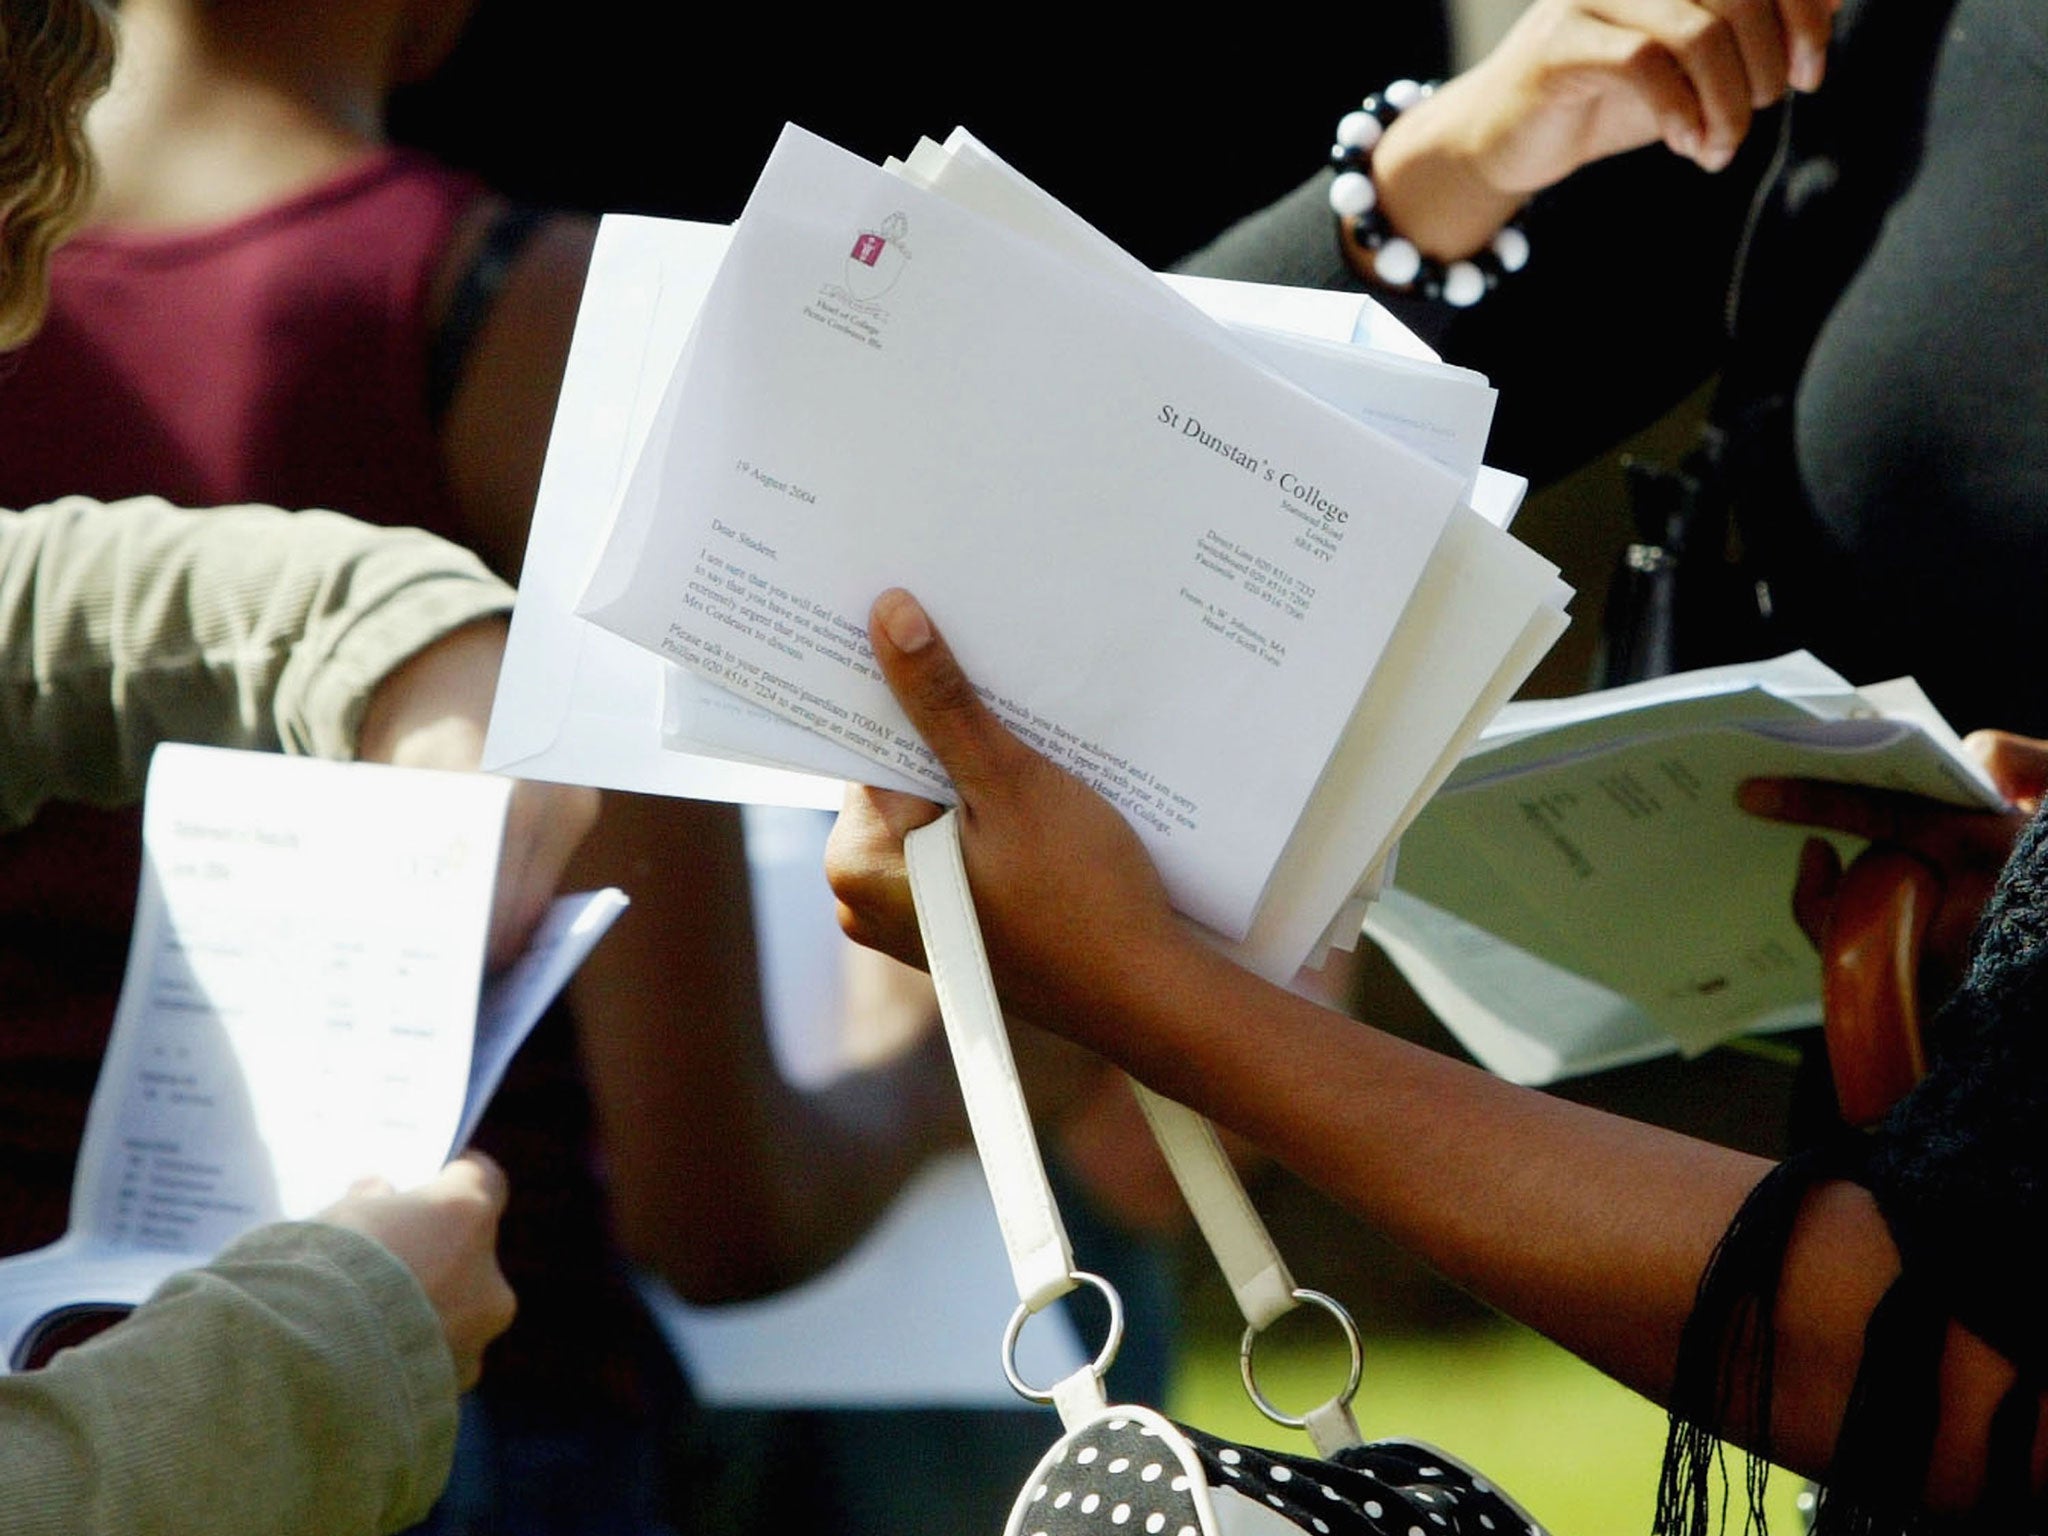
(127, 624)
(299, 1383)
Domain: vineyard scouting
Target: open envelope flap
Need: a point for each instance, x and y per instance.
(574, 703)
(618, 358)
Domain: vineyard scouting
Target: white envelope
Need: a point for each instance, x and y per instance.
(574, 703)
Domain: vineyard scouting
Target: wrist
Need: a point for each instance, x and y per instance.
(1415, 213)
(1430, 170)
(433, 709)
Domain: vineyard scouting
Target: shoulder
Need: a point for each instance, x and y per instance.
(506, 317)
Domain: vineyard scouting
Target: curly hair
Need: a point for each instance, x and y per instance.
(55, 58)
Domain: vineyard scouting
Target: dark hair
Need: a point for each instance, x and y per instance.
(55, 58)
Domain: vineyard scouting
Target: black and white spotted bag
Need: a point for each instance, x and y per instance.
(1121, 1470)
(1129, 1470)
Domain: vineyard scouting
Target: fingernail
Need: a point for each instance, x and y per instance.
(903, 621)
(1759, 797)
(1808, 62)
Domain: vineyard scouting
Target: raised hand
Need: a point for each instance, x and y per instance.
(1575, 81)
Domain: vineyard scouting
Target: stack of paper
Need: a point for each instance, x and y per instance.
(1231, 575)
(301, 1009)
(1585, 892)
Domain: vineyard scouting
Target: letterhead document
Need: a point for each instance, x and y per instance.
(1170, 569)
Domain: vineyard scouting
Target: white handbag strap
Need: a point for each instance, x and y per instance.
(1041, 1257)
(1236, 1234)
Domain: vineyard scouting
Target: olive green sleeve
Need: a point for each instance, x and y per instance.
(127, 624)
(299, 1383)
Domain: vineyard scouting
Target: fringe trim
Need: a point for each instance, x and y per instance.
(1879, 1467)
(1726, 1355)
(2009, 1502)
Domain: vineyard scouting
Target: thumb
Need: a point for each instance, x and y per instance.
(475, 1174)
(971, 743)
(2018, 765)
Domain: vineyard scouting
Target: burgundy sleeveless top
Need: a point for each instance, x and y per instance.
(279, 358)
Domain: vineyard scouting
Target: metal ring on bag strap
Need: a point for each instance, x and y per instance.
(1251, 1384)
(1102, 1362)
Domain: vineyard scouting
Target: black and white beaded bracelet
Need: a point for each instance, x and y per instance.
(1396, 262)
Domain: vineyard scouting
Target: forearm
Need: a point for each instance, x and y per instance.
(1531, 1202)
(724, 1177)
(299, 1383)
(1592, 1228)
(135, 623)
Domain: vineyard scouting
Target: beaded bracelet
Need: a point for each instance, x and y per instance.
(1396, 261)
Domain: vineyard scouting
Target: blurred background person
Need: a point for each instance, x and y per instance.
(275, 301)
(1758, 191)
(271, 302)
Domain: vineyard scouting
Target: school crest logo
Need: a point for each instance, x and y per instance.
(876, 261)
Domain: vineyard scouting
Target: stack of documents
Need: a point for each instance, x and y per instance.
(1585, 892)
(1244, 575)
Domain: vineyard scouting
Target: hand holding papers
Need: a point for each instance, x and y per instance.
(301, 1008)
(1174, 570)
(1585, 891)
(1123, 507)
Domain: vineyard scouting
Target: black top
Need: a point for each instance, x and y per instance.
(1871, 281)
(1868, 277)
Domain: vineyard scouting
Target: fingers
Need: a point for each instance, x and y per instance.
(544, 826)
(1807, 25)
(978, 753)
(901, 814)
(475, 1176)
(445, 1232)
(467, 1288)
(1765, 52)
(1713, 54)
(864, 867)
(1875, 814)
(1660, 82)
(1814, 888)
(1730, 58)
(1966, 848)
(2017, 765)
(1697, 69)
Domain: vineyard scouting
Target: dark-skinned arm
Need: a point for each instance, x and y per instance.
(1589, 1227)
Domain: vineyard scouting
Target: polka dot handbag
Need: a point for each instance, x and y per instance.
(1118, 1471)
(1129, 1470)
